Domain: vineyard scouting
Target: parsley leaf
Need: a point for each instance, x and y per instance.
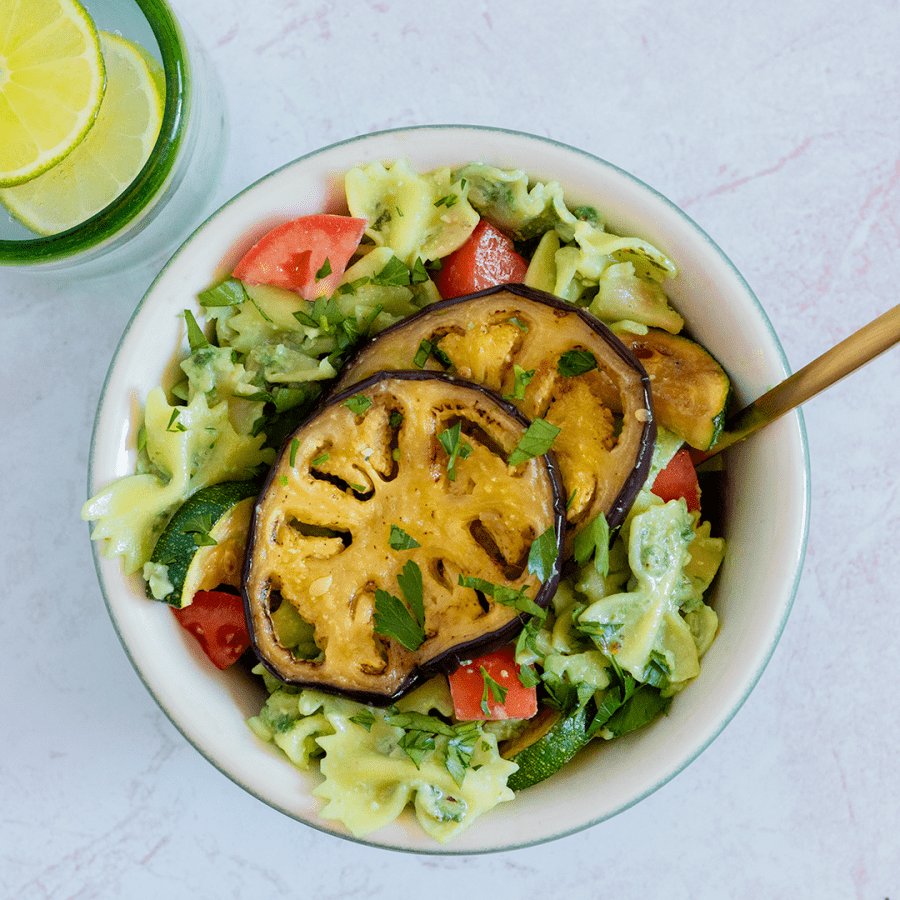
(522, 380)
(410, 581)
(638, 710)
(455, 448)
(364, 717)
(422, 354)
(394, 620)
(576, 362)
(351, 287)
(429, 350)
(419, 274)
(295, 446)
(174, 425)
(657, 670)
(528, 676)
(542, 555)
(230, 292)
(196, 338)
(401, 540)
(460, 749)
(325, 271)
(593, 540)
(394, 274)
(200, 525)
(496, 691)
(518, 600)
(415, 744)
(536, 441)
(417, 721)
(323, 314)
(357, 404)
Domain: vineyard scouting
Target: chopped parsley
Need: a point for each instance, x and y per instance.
(522, 380)
(365, 717)
(394, 274)
(174, 425)
(200, 525)
(419, 274)
(455, 447)
(196, 338)
(401, 540)
(357, 404)
(325, 271)
(508, 596)
(428, 350)
(536, 441)
(576, 362)
(493, 689)
(230, 292)
(593, 540)
(393, 619)
(542, 555)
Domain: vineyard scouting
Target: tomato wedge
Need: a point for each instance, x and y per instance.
(679, 479)
(306, 255)
(216, 620)
(489, 688)
(486, 259)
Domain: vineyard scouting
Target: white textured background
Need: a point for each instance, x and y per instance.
(776, 126)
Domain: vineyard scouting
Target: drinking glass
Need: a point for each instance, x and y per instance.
(177, 184)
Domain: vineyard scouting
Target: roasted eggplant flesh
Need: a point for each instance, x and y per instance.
(555, 362)
(423, 456)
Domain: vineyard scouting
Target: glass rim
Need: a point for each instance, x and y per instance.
(105, 224)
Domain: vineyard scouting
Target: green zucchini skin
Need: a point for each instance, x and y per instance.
(177, 545)
(552, 745)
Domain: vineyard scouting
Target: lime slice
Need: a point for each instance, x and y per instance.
(111, 154)
(51, 84)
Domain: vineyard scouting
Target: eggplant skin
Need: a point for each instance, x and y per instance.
(320, 530)
(486, 335)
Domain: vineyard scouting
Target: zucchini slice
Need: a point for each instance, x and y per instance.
(549, 741)
(690, 389)
(202, 547)
(371, 487)
(554, 361)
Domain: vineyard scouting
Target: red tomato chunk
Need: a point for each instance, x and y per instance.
(216, 620)
(486, 259)
(679, 479)
(306, 255)
(471, 691)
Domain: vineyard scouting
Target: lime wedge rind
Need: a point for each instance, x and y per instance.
(112, 153)
(52, 80)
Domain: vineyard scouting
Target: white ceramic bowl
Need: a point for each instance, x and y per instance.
(766, 499)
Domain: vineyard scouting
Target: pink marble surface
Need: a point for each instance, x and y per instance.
(776, 126)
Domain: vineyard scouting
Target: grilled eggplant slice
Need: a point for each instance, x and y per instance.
(554, 361)
(691, 390)
(406, 469)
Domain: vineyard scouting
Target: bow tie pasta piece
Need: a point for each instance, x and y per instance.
(419, 217)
